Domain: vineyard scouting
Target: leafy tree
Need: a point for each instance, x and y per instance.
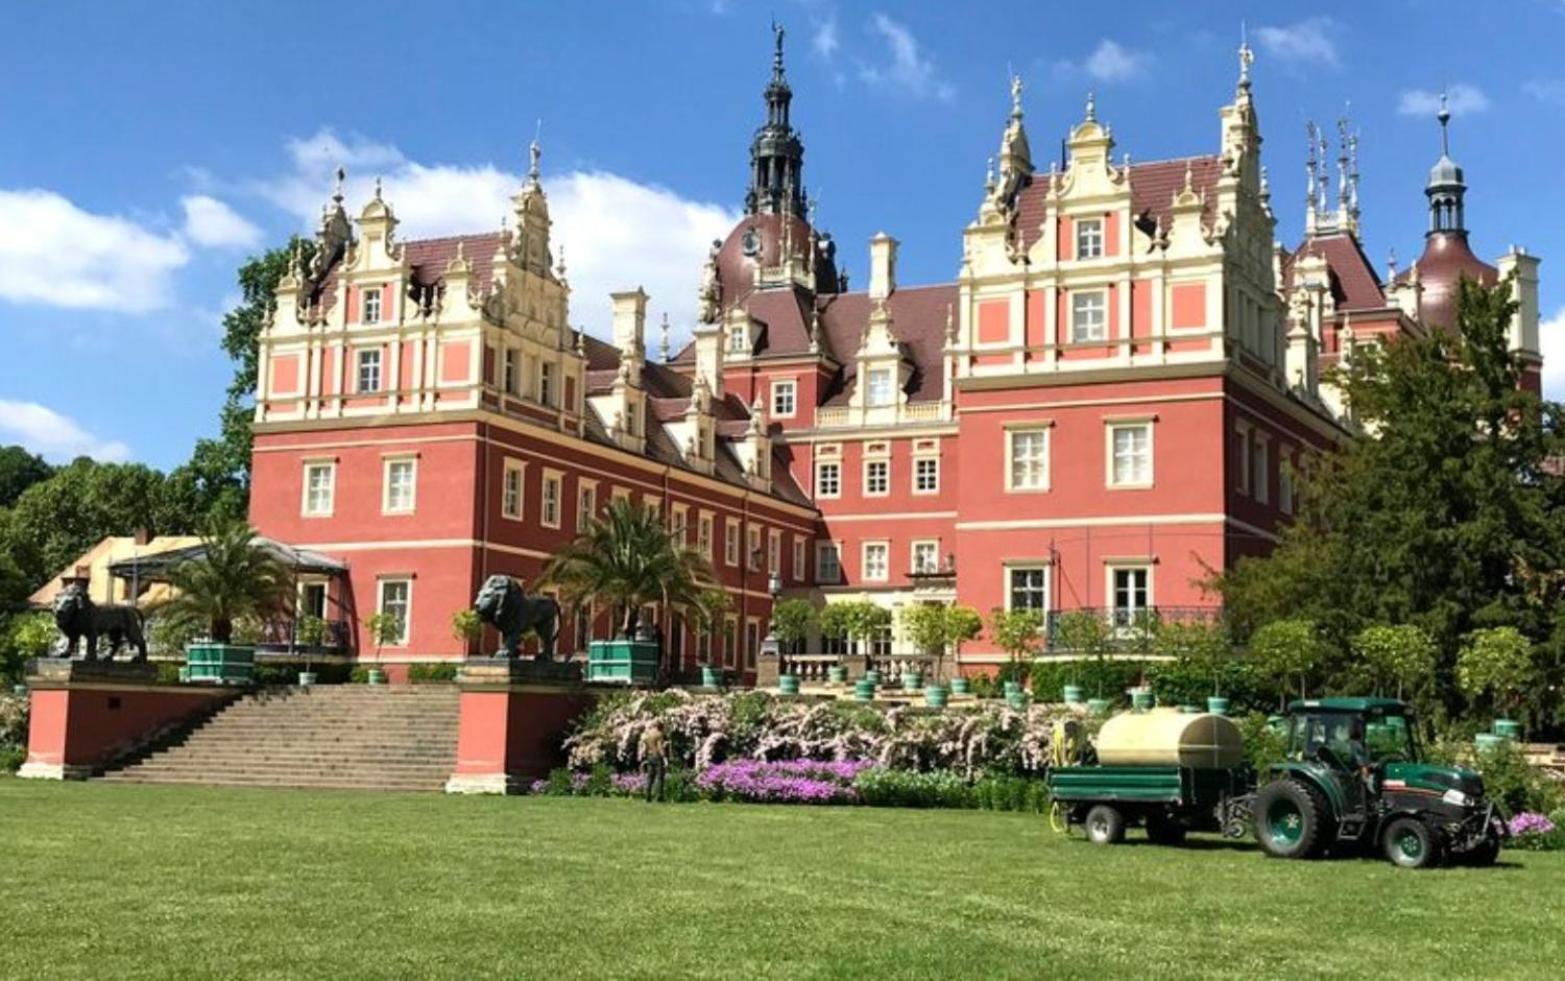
(1443, 510)
(1495, 662)
(1085, 633)
(25, 637)
(383, 628)
(232, 580)
(1287, 651)
(1195, 645)
(627, 560)
(466, 628)
(865, 622)
(1398, 656)
(20, 470)
(925, 624)
(792, 621)
(1019, 633)
(962, 625)
(55, 521)
(835, 619)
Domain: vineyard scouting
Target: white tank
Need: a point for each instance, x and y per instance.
(1168, 737)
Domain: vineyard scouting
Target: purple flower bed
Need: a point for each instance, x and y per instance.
(783, 781)
(630, 783)
(1530, 823)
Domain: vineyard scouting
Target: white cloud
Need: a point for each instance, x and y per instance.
(825, 40)
(1109, 62)
(53, 253)
(909, 69)
(57, 438)
(617, 233)
(1307, 41)
(1546, 89)
(1461, 98)
(212, 223)
(1551, 338)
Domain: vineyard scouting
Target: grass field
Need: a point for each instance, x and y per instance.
(118, 882)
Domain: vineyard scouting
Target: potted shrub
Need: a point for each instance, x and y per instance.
(383, 629)
(792, 621)
(1200, 650)
(1286, 650)
(309, 633)
(26, 637)
(1396, 656)
(1496, 662)
(230, 580)
(833, 621)
(1020, 634)
(962, 625)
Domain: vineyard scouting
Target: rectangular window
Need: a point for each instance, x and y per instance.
(774, 553)
(371, 314)
(1028, 588)
(704, 536)
(1285, 480)
(1028, 450)
(730, 641)
(785, 397)
(586, 505)
(396, 601)
(508, 372)
(320, 480)
(1089, 238)
(877, 387)
(553, 486)
(546, 382)
(1261, 481)
(730, 541)
(738, 340)
(1132, 593)
(679, 524)
(926, 475)
(753, 549)
(399, 478)
(926, 557)
(875, 561)
(798, 559)
(877, 478)
(1088, 316)
(511, 490)
(828, 563)
(369, 371)
(1242, 440)
(828, 479)
(1130, 454)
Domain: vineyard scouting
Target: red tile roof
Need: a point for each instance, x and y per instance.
(1152, 189)
(1354, 284)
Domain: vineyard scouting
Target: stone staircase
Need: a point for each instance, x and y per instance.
(394, 737)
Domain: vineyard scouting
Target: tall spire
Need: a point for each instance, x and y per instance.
(1246, 58)
(776, 153)
(1446, 188)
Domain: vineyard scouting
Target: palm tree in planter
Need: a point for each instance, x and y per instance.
(233, 579)
(626, 561)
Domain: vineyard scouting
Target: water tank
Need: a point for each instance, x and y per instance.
(1168, 737)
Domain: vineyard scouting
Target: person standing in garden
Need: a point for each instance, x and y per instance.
(654, 762)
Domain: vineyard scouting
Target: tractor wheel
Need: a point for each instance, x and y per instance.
(1162, 830)
(1411, 843)
(1484, 855)
(1291, 820)
(1105, 825)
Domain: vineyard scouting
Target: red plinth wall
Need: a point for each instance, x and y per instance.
(511, 731)
(78, 727)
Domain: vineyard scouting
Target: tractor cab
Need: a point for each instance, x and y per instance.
(1353, 772)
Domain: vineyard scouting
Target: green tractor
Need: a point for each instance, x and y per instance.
(1353, 775)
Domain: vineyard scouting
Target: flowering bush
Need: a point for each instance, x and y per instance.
(1534, 832)
(782, 782)
(703, 730)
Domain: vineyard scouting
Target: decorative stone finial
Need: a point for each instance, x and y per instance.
(1016, 96)
(989, 183)
(1189, 175)
(1444, 115)
(342, 175)
(1391, 265)
(663, 345)
(377, 189)
(1092, 107)
(1246, 57)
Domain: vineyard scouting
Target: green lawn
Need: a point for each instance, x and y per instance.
(115, 882)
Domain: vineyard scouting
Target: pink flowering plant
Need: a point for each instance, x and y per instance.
(1536, 832)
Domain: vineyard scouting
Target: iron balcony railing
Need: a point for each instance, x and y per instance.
(282, 634)
(1122, 629)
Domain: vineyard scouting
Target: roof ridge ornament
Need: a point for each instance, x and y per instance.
(1444, 115)
(1092, 107)
(1246, 58)
(1016, 96)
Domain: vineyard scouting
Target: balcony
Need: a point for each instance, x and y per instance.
(1125, 631)
(848, 416)
(281, 636)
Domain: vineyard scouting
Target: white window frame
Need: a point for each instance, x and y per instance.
(883, 574)
(387, 504)
(753, 548)
(1089, 238)
(1111, 430)
(882, 464)
(821, 467)
(1009, 568)
(731, 541)
(933, 462)
(738, 340)
(798, 558)
(1078, 311)
(551, 506)
(519, 468)
(1111, 570)
(360, 362)
(774, 553)
(826, 572)
(586, 502)
(1260, 459)
(366, 294)
(508, 378)
(1011, 434)
(546, 383)
(875, 399)
(380, 605)
(933, 545)
(679, 522)
(704, 533)
(785, 398)
(330, 468)
(1242, 431)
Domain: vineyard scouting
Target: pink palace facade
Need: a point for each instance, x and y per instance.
(1106, 405)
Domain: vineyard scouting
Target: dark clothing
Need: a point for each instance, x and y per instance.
(655, 767)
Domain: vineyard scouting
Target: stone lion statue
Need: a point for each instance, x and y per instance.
(502, 604)
(78, 616)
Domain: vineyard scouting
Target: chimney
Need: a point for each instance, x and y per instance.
(630, 321)
(709, 357)
(142, 536)
(882, 266)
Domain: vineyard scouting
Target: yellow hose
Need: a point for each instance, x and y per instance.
(1065, 749)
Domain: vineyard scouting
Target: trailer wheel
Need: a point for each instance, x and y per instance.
(1162, 830)
(1411, 843)
(1105, 825)
(1290, 819)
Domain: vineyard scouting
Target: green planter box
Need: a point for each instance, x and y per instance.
(873, 677)
(229, 664)
(864, 690)
(629, 662)
(1217, 705)
(1488, 740)
(788, 684)
(1012, 688)
(837, 674)
(1072, 694)
(1141, 699)
(1098, 706)
(711, 677)
(1190, 709)
(1507, 728)
(935, 697)
(961, 686)
(912, 681)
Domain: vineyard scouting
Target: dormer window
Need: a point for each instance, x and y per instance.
(1089, 238)
(738, 341)
(877, 387)
(371, 314)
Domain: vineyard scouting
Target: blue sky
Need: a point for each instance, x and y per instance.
(153, 146)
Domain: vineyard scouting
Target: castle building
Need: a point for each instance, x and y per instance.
(1108, 405)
